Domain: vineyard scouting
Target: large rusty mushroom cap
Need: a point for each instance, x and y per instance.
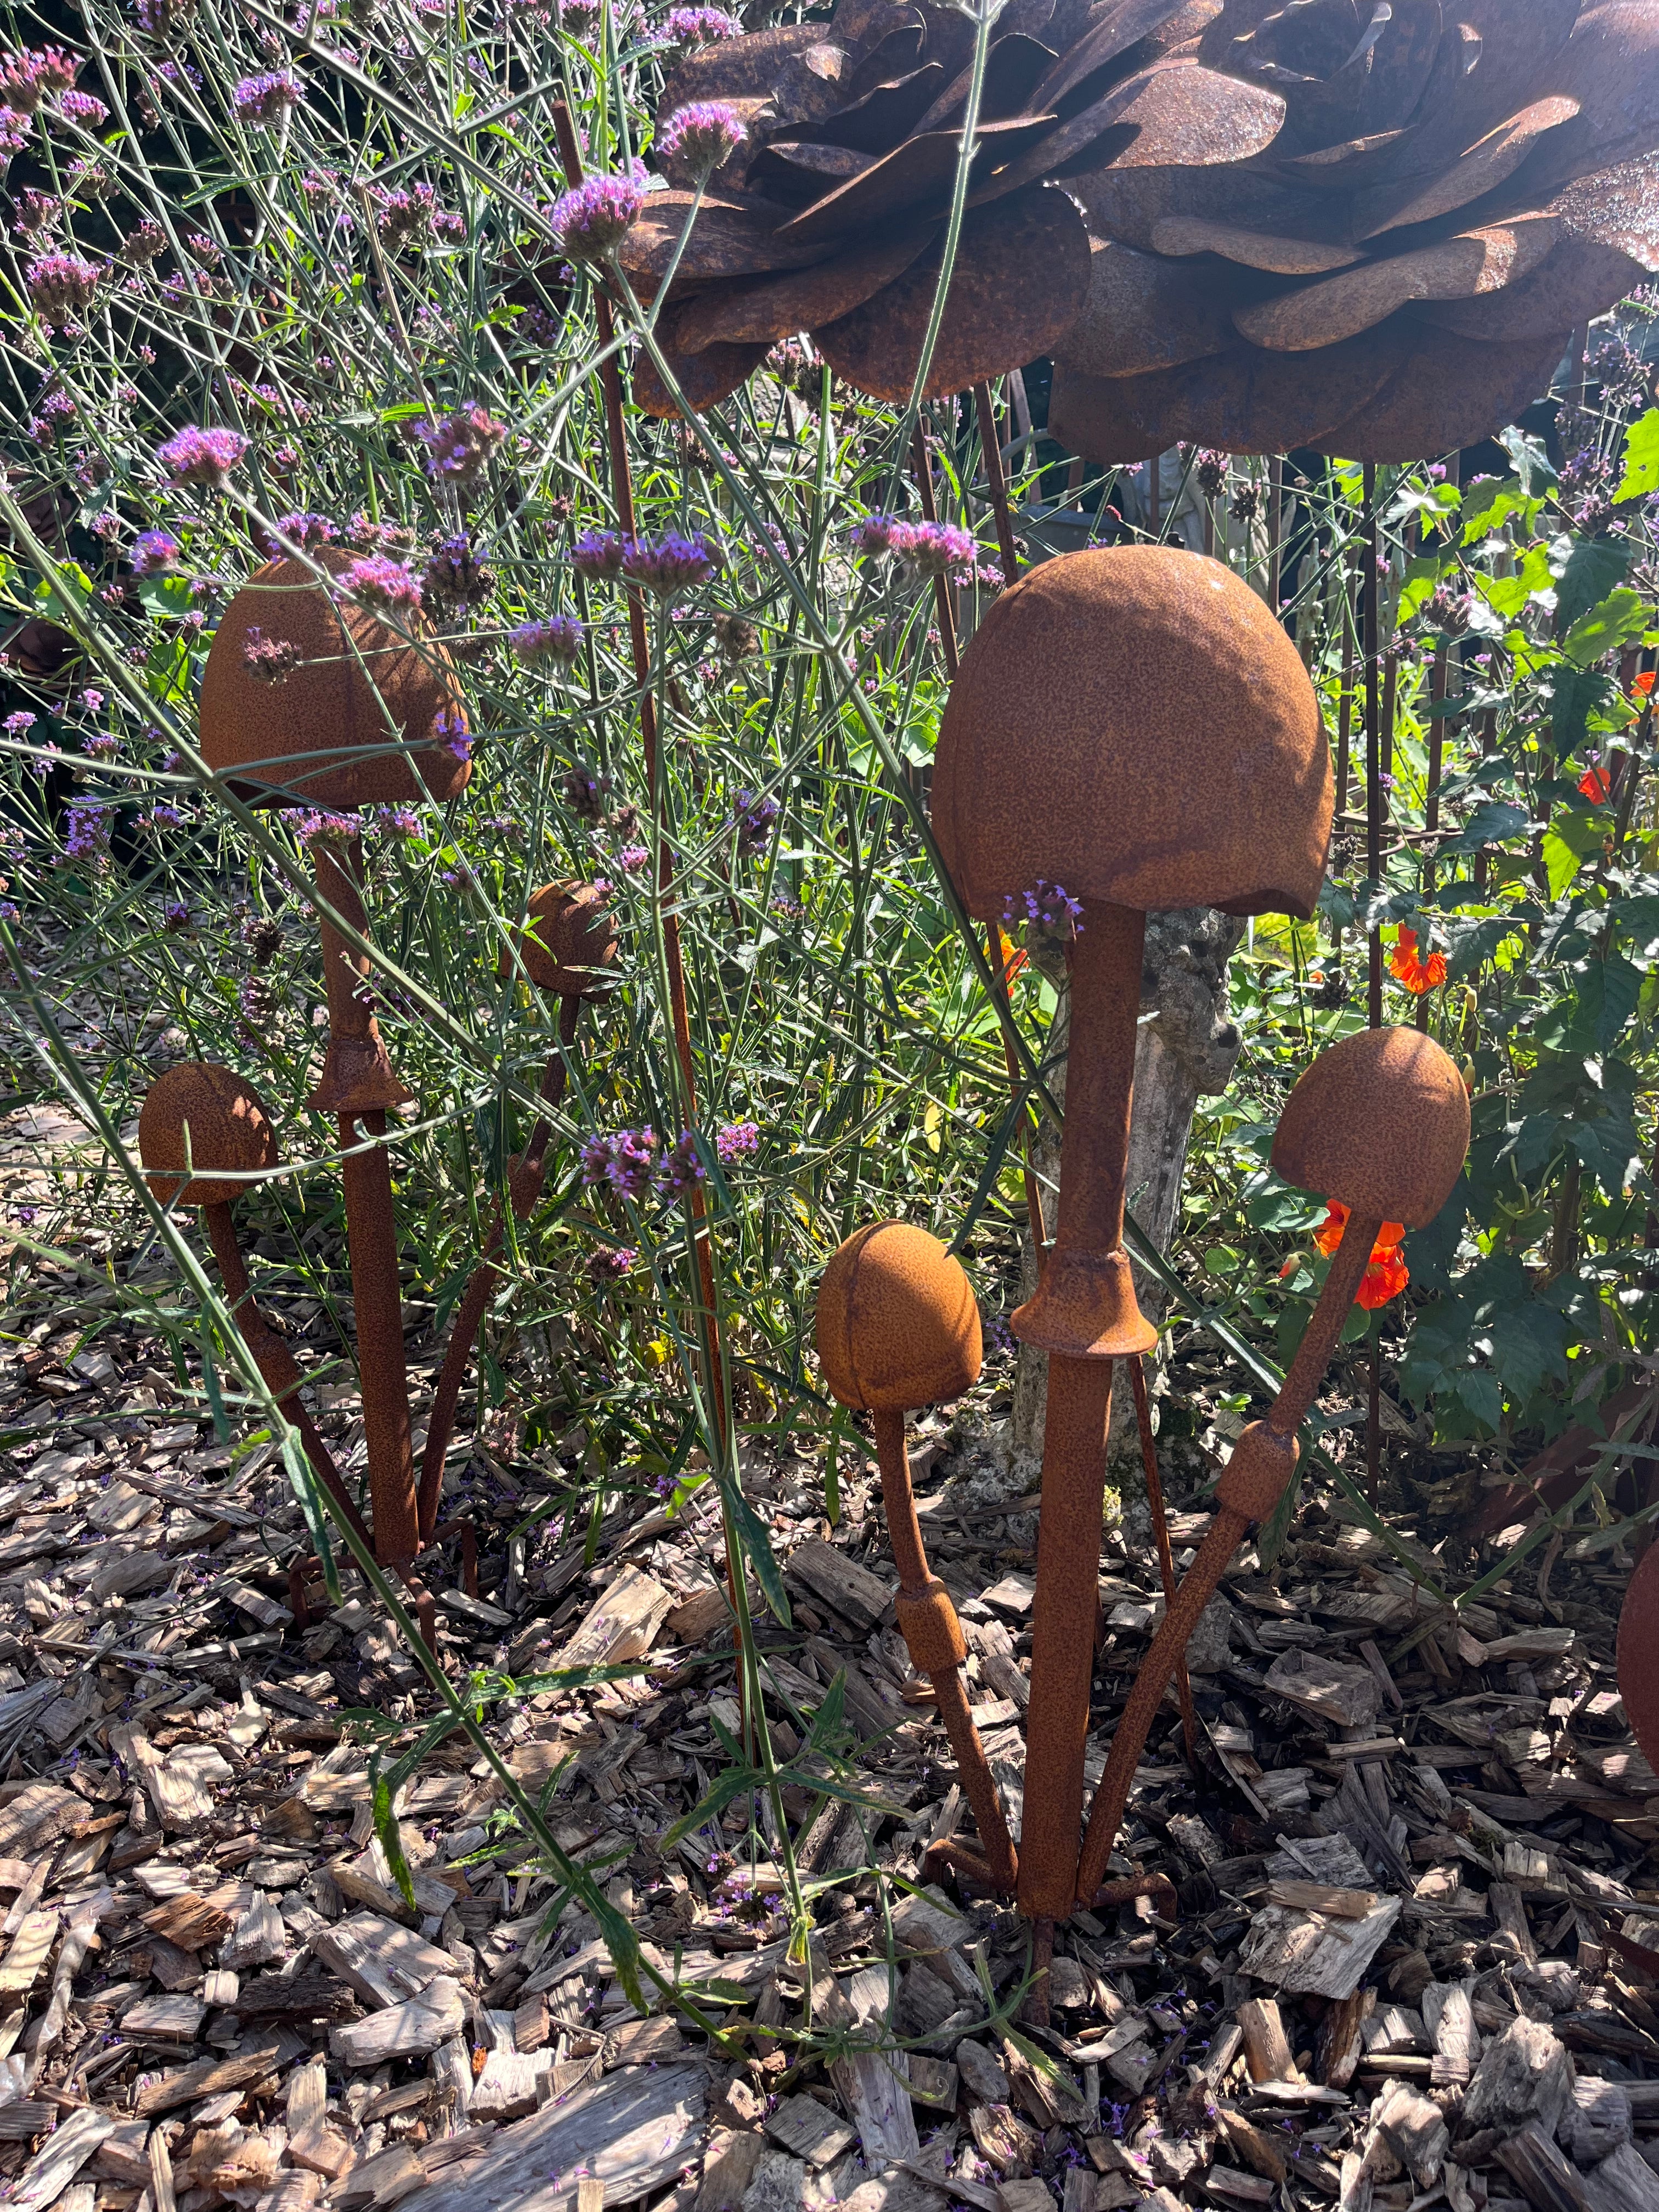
(1380, 1121)
(229, 1129)
(568, 942)
(328, 735)
(1132, 724)
(897, 1323)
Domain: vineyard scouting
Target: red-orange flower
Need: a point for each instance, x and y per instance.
(1015, 958)
(1643, 686)
(1408, 966)
(1595, 786)
(1387, 1275)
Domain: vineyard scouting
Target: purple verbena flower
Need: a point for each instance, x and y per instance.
(633, 857)
(195, 456)
(682, 1168)
(590, 221)
(27, 78)
(737, 1140)
(940, 549)
(460, 445)
(399, 821)
(697, 137)
(153, 552)
(266, 98)
(175, 916)
(625, 1160)
(86, 831)
(598, 555)
(701, 26)
(605, 1265)
(82, 107)
(556, 637)
(315, 823)
(61, 286)
(670, 564)
(449, 730)
(753, 820)
(376, 580)
(1049, 907)
(32, 211)
(305, 530)
(454, 579)
(269, 659)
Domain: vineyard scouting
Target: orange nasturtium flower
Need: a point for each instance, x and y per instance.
(1408, 966)
(1014, 957)
(1643, 686)
(1595, 787)
(1387, 1274)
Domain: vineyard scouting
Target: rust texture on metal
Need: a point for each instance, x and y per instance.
(352, 725)
(1380, 1121)
(567, 946)
(1131, 722)
(203, 1117)
(830, 217)
(1392, 268)
(898, 1328)
(1638, 1654)
(1161, 1542)
(1389, 1123)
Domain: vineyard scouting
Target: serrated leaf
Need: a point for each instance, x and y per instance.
(1641, 458)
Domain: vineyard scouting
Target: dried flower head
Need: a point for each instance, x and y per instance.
(737, 639)
(454, 580)
(269, 659)
(460, 446)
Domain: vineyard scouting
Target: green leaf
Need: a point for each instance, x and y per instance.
(1532, 462)
(1493, 822)
(1613, 622)
(302, 1481)
(388, 1834)
(1641, 458)
(1594, 568)
(757, 1547)
(1574, 695)
(1560, 860)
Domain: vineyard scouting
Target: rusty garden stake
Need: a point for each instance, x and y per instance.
(566, 948)
(898, 1328)
(1069, 755)
(1380, 1122)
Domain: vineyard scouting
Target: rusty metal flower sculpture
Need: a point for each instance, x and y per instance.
(1455, 186)
(829, 216)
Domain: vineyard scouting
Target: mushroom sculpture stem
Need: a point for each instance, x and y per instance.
(932, 1637)
(1262, 1463)
(275, 1361)
(1085, 1315)
(358, 1085)
(527, 1174)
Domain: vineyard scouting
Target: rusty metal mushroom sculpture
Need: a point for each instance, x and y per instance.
(367, 717)
(566, 950)
(898, 1328)
(830, 217)
(1457, 186)
(202, 1130)
(1380, 1122)
(1638, 1654)
(1132, 725)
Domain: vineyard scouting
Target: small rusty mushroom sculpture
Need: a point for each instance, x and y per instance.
(1131, 724)
(367, 717)
(201, 1131)
(566, 950)
(1380, 1122)
(898, 1328)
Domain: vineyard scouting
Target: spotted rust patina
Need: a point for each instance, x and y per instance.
(567, 948)
(898, 1328)
(1131, 724)
(1380, 1123)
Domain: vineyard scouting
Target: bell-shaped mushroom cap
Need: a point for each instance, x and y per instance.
(899, 1324)
(568, 942)
(353, 725)
(229, 1128)
(1380, 1121)
(1133, 725)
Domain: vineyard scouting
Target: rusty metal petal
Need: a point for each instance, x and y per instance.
(1577, 280)
(1250, 249)
(1020, 280)
(1481, 169)
(1445, 393)
(1610, 66)
(731, 237)
(1244, 401)
(1517, 50)
(1144, 312)
(1117, 34)
(776, 307)
(1617, 206)
(796, 64)
(1129, 203)
(1180, 113)
(874, 123)
(916, 177)
(1013, 68)
(1355, 300)
(705, 377)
